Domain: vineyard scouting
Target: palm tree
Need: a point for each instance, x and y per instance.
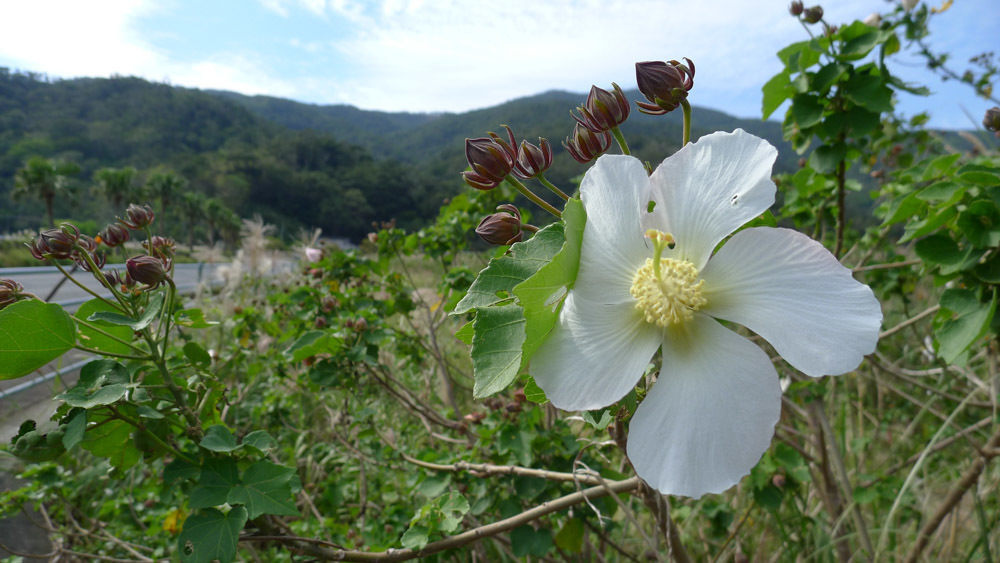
(193, 206)
(215, 214)
(44, 178)
(164, 186)
(115, 184)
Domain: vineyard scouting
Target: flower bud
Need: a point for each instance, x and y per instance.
(491, 162)
(533, 160)
(56, 243)
(146, 270)
(161, 247)
(137, 217)
(10, 292)
(795, 9)
(114, 235)
(873, 19)
(909, 4)
(603, 110)
(813, 14)
(502, 228)
(991, 121)
(585, 145)
(98, 258)
(664, 84)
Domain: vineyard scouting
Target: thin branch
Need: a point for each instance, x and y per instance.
(926, 313)
(887, 266)
(488, 469)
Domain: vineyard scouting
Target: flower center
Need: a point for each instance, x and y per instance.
(667, 291)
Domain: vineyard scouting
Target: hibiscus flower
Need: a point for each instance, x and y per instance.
(648, 279)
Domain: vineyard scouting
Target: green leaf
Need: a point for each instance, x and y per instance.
(941, 191)
(435, 485)
(465, 333)
(265, 490)
(859, 46)
(970, 322)
(32, 334)
(776, 91)
(928, 224)
(938, 249)
(144, 320)
(197, 355)
(980, 223)
(570, 536)
(260, 440)
(800, 56)
(807, 110)
(526, 540)
(861, 121)
(870, 92)
(218, 477)
(415, 537)
(939, 166)
(989, 271)
(75, 429)
(93, 339)
(211, 535)
(827, 76)
(218, 438)
(979, 175)
(826, 158)
(179, 469)
(454, 507)
(534, 393)
(496, 348)
(102, 382)
(113, 440)
(901, 208)
(312, 343)
(148, 412)
(590, 418)
(542, 294)
(495, 283)
(192, 318)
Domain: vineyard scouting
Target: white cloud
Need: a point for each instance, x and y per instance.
(99, 38)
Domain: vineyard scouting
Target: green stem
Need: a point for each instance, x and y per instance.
(85, 288)
(167, 312)
(111, 354)
(531, 195)
(687, 121)
(99, 276)
(545, 182)
(94, 327)
(621, 140)
(168, 379)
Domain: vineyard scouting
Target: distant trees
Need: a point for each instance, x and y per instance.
(45, 179)
(117, 186)
(166, 187)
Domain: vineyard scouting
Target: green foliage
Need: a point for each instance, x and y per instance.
(32, 334)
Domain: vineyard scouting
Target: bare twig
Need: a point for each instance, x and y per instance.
(926, 313)
(488, 469)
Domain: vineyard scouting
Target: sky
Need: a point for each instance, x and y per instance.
(457, 55)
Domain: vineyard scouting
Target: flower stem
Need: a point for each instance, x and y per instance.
(531, 195)
(111, 354)
(87, 289)
(621, 140)
(687, 121)
(95, 328)
(545, 182)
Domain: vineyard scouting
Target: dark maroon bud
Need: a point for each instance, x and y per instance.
(501, 228)
(10, 292)
(520, 396)
(664, 84)
(813, 14)
(114, 278)
(778, 480)
(86, 244)
(991, 121)
(146, 270)
(533, 160)
(603, 110)
(491, 162)
(361, 325)
(137, 217)
(509, 146)
(57, 243)
(796, 8)
(98, 258)
(114, 235)
(320, 322)
(585, 145)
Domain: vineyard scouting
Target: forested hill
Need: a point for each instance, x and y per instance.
(336, 167)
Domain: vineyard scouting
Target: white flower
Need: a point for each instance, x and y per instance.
(711, 414)
(909, 4)
(873, 19)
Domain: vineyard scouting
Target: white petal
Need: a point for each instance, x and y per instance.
(614, 191)
(789, 289)
(710, 414)
(708, 189)
(595, 354)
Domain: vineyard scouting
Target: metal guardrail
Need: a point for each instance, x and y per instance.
(47, 377)
(49, 269)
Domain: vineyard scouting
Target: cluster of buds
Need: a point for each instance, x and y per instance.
(491, 162)
(585, 145)
(991, 121)
(813, 14)
(529, 161)
(665, 85)
(137, 217)
(503, 227)
(66, 243)
(11, 292)
(603, 110)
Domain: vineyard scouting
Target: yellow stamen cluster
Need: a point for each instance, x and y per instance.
(667, 291)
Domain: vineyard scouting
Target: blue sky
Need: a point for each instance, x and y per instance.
(424, 55)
